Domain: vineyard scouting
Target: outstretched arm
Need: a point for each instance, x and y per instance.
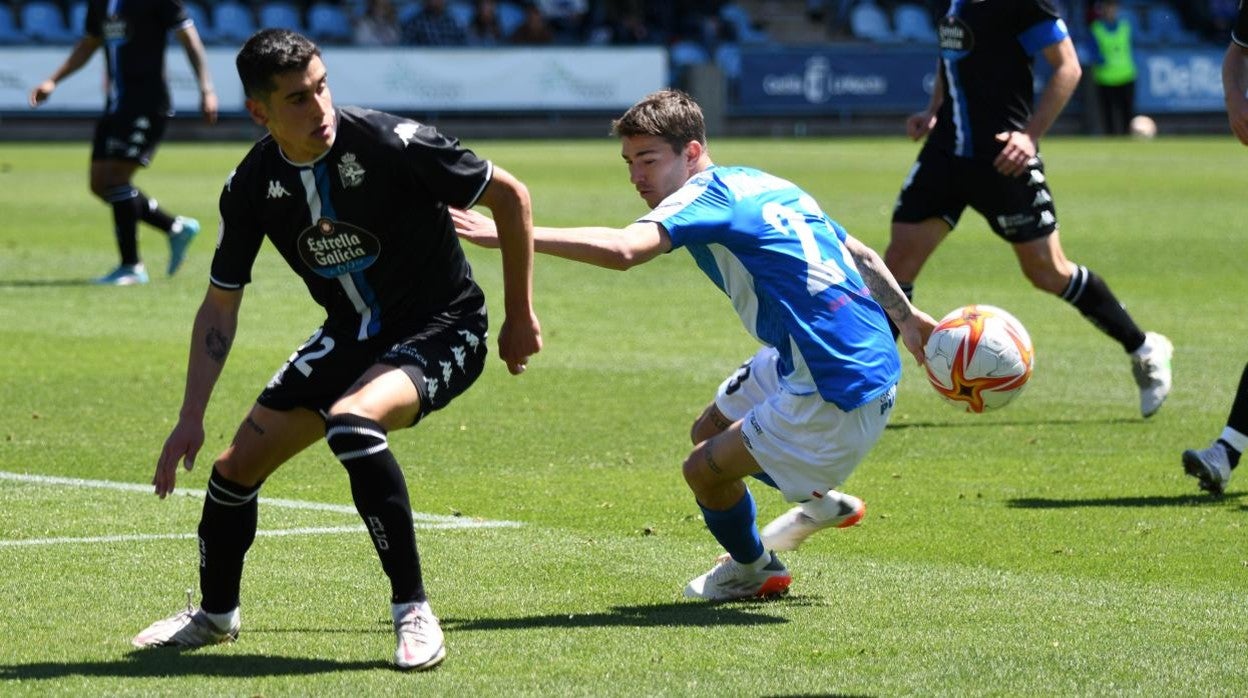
(189, 38)
(915, 325)
(521, 334)
(211, 338)
(78, 57)
(612, 248)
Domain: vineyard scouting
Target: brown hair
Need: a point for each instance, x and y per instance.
(669, 114)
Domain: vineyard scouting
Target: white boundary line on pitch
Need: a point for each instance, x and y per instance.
(422, 521)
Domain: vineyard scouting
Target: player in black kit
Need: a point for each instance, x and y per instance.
(134, 34)
(982, 150)
(356, 202)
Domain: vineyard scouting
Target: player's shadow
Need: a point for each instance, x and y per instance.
(1147, 501)
(173, 662)
(997, 424)
(668, 615)
(44, 283)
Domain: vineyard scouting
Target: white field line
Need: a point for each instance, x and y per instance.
(422, 521)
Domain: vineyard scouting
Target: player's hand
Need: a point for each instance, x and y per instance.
(1017, 154)
(518, 340)
(208, 105)
(914, 334)
(920, 124)
(475, 228)
(183, 444)
(42, 91)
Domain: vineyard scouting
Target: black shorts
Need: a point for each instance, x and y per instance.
(132, 137)
(443, 357)
(942, 185)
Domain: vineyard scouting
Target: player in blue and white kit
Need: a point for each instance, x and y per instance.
(805, 410)
(355, 201)
(982, 150)
(133, 34)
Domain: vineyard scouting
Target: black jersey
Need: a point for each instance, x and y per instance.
(986, 52)
(135, 34)
(366, 225)
(1239, 33)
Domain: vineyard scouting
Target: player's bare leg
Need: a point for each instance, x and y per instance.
(714, 472)
(910, 245)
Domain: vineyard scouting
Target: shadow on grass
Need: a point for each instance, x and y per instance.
(686, 614)
(1151, 501)
(996, 424)
(174, 662)
(44, 283)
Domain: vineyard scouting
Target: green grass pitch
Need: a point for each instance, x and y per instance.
(1051, 548)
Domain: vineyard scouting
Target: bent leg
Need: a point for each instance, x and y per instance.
(1047, 268)
(266, 439)
(111, 182)
(909, 247)
(714, 472)
(385, 398)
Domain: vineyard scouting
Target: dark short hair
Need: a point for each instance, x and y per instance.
(671, 115)
(267, 54)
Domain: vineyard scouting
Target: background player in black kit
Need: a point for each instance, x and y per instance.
(356, 202)
(982, 151)
(134, 34)
(1212, 466)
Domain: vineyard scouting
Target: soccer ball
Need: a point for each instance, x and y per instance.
(1142, 127)
(979, 357)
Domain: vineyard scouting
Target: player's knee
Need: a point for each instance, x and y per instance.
(236, 472)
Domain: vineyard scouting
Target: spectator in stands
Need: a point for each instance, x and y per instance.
(486, 30)
(534, 29)
(379, 25)
(567, 18)
(1113, 68)
(135, 114)
(434, 26)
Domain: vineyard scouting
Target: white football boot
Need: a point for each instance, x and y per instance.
(189, 628)
(729, 580)
(1210, 466)
(792, 527)
(420, 642)
(1150, 365)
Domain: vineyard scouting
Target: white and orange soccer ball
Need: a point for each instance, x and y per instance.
(979, 357)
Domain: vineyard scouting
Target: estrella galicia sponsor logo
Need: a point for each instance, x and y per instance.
(956, 38)
(333, 248)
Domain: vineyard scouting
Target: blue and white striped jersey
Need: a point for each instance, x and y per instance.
(770, 248)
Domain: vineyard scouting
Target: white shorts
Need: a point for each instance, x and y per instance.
(806, 445)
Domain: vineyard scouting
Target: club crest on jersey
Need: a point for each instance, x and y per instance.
(114, 29)
(350, 171)
(333, 248)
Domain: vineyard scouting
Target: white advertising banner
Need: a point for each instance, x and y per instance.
(403, 79)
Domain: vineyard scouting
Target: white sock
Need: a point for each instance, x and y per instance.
(398, 610)
(1238, 441)
(224, 621)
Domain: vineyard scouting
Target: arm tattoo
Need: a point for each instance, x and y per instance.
(254, 426)
(217, 345)
(881, 283)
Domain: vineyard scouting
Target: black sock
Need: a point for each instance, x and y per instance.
(907, 289)
(1238, 419)
(1088, 292)
(153, 214)
(380, 494)
(226, 530)
(126, 204)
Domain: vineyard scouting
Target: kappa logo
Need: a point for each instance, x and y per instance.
(276, 190)
(406, 131)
